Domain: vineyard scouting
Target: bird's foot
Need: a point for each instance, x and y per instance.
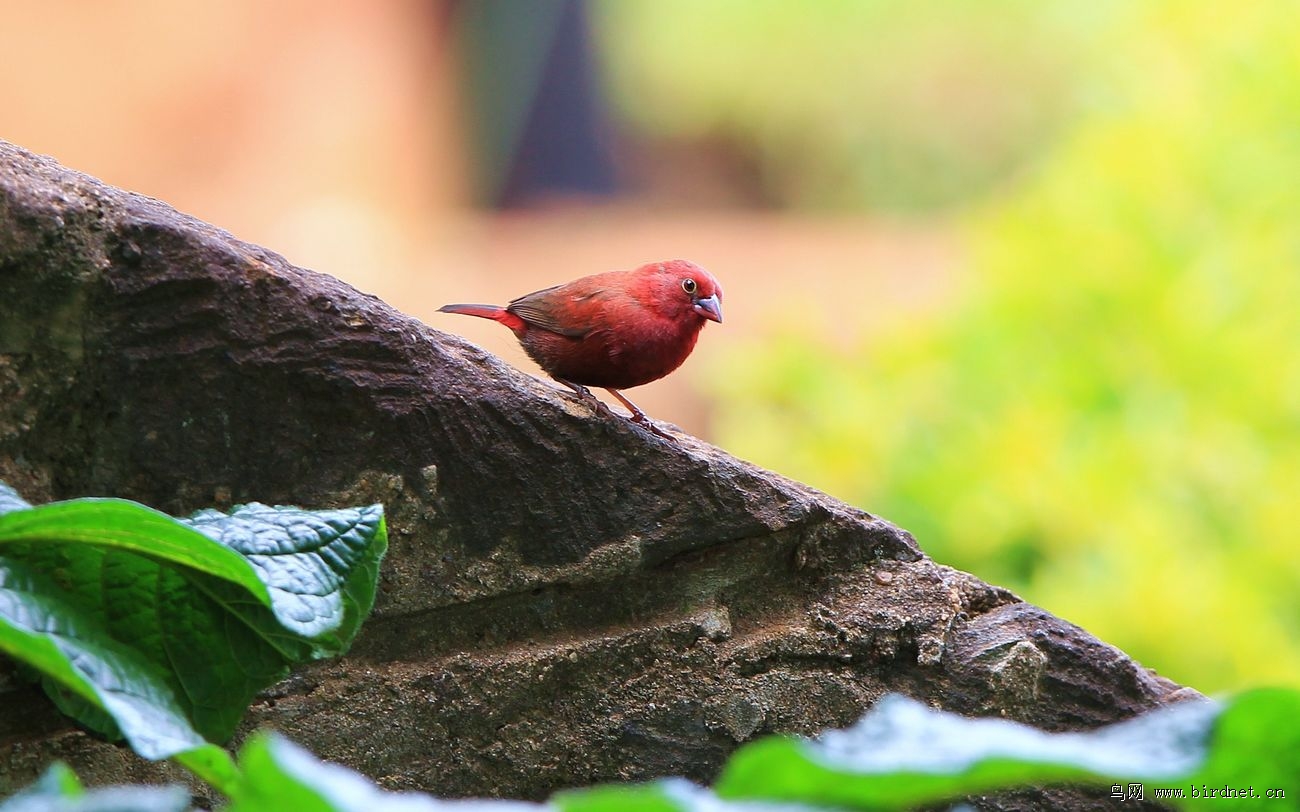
(639, 417)
(585, 394)
(649, 425)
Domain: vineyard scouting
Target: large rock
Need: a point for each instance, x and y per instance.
(567, 599)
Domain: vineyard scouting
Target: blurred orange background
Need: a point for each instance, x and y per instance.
(335, 134)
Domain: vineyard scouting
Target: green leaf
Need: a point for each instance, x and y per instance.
(73, 652)
(213, 765)
(58, 790)
(1255, 744)
(127, 611)
(279, 775)
(904, 754)
(117, 524)
(321, 567)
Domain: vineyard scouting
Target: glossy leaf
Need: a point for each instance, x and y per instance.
(79, 661)
(164, 629)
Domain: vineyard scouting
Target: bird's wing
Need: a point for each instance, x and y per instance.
(559, 309)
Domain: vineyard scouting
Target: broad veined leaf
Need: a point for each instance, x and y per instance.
(217, 606)
(77, 660)
(321, 567)
(118, 524)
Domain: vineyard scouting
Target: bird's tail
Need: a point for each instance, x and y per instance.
(486, 312)
(482, 311)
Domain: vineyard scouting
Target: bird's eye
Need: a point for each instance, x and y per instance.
(688, 285)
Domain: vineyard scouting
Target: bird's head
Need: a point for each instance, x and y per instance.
(688, 288)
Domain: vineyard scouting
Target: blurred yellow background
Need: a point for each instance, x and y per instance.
(1022, 277)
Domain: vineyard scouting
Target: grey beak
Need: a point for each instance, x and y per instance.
(709, 308)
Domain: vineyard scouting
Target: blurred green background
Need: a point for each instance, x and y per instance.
(883, 105)
(1106, 417)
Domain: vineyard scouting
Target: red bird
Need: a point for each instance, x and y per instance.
(614, 330)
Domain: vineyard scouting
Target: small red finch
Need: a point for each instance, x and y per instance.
(614, 330)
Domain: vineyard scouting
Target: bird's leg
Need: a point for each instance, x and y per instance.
(638, 416)
(585, 393)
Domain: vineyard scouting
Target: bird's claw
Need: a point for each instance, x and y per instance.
(649, 425)
(638, 417)
(585, 394)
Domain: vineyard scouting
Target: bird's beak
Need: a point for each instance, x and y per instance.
(709, 308)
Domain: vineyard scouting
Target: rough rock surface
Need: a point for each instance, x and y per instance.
(567, 599)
